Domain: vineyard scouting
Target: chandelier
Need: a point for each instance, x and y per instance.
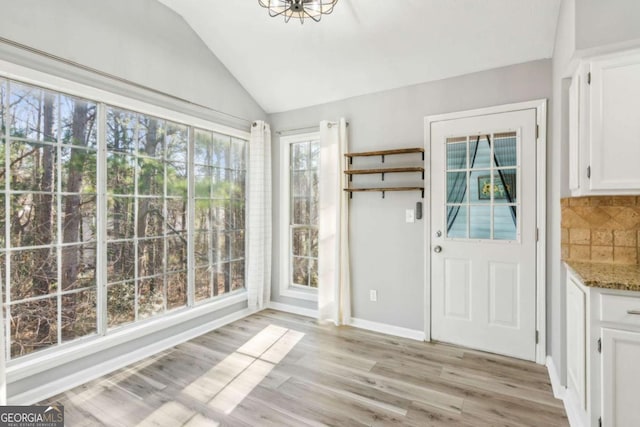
(301, 9)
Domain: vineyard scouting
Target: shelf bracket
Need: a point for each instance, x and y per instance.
(423, 174)
(383, 194)
(423, 193)
(383, 176)
(351, 194)
(382, 158)
(423, 156)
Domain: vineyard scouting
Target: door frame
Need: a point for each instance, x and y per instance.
(540, 106)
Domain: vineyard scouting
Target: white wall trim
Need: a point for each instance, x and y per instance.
(293, 309)
(559, 390)
(540, 105)
(562, 393)
(384, 328)
(51, 389)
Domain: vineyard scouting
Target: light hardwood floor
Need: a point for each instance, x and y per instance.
(280, 369)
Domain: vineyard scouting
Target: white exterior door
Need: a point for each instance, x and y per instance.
(483, 225)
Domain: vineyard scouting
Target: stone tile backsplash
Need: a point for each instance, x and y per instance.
(601, 229)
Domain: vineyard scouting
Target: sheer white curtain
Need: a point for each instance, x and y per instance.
(334, 287)
(258, 228)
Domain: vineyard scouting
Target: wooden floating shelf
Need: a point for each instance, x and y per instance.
(386, 152)
(384, 190)
(382, 170)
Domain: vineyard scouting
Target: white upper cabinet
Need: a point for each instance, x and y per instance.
(604, 126)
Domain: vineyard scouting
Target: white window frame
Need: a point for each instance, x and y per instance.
(60, 354)
(287, 289)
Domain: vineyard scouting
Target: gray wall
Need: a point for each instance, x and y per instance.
(388, 254)
(602, 22)
(142, 41)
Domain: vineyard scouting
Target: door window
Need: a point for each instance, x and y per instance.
(482, 186)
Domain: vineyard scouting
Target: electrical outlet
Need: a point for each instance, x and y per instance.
(410, 216)
(373, 295)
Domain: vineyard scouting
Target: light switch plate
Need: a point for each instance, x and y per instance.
(410, 215)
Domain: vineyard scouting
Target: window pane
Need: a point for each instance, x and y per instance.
(301, 211)
(78, 268)
(177, 253)
(300, 239)
(78, 122)
(505, 222)
(456, 187)
(202, 248)
(300, 156)
(150, 257)
(456, 153)
(457, 222)
(505, 186)
(151, 177)
(221, 278)
(120, 304)
(176, 290)
(203, 154)
(120, 218)
(313, 240)
(121, 131)
(33, 273)
(300, 271)
(505, 149)
(33, 219)
(176, 179)
(78, 170)
(121, 171)
(121, 259)
(33, 326)
(78, 315)
(203, 181)
(480, 187)
(176, 215)
(479, 152)
(177, 137)
(150, 217)
(203, 283)
(33, 167)
(480, 222)
(221, 147)
(79, 218)
(237, 245)
(151, 132)
(313, 273)
(150, 297)
(237, 275)
(33, 112)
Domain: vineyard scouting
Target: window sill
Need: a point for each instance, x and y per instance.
(299, 293)
(51, 358)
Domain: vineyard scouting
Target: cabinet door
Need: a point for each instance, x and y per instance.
(576, 335)
(574, 133)
(614, 123)
(620, 378)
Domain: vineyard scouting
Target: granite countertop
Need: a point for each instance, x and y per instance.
(607, 275)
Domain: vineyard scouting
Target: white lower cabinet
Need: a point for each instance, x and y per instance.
(620, 377)
(603, 356)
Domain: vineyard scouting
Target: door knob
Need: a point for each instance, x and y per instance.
(437, 249)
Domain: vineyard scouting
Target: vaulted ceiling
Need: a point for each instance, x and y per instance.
(367, 46)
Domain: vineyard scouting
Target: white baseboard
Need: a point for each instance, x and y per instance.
(559, 391)
(571, 406)
(287, 308)
(56, 387)
(387, 329)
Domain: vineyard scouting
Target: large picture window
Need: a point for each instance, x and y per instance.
(301, 155)
(81, 256)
